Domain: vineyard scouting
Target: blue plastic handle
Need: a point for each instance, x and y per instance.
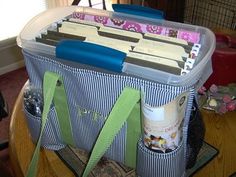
(138, 11)
(91, 54)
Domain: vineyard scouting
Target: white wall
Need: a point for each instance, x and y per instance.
(10, 56)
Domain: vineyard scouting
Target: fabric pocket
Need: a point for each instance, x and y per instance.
(153, 164)
(51, 138)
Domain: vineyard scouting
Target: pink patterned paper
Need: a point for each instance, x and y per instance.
(154, 29)
(132, 26)
(189, 36)
(101, 19)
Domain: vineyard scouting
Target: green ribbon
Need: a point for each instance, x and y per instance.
(116, 119)
(52, 90)
(133, 135)
(63, 114)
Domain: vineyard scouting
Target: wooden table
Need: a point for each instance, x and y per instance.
(220, 132)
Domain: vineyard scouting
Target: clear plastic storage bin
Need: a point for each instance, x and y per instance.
(197, 76)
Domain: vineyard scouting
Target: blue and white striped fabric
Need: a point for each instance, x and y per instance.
(154, 164)
(91, 94)
(51, 138)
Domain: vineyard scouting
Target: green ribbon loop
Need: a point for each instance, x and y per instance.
(53, 89)
(116, 119)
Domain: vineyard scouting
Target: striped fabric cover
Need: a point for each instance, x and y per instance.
(154, 164)
(51, 138)
(91, 95)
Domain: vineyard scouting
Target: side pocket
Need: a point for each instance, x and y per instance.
(195, 138)
(153, 164)
(51, 136)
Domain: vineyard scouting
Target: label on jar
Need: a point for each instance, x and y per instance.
(163, 125)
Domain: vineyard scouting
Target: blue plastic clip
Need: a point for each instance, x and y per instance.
(91, 54)
(138, 11)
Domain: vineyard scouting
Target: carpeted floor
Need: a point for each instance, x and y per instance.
(10, 86)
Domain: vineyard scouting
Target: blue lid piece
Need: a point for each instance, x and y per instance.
(91, 54)
(138, 11)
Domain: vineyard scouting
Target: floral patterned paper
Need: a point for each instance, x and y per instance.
(132, 26)
(154, 29)
(190, 36)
